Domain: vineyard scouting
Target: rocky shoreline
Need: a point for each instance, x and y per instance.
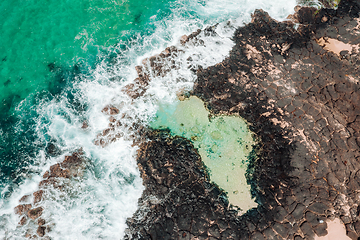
(59, 177)
(297, 85)
(301, 99)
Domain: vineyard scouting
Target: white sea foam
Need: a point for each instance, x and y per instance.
(98, 204)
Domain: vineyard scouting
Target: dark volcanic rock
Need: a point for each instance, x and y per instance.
(302, 103)
(181, 202)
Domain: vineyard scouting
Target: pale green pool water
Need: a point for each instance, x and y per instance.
(224, 143)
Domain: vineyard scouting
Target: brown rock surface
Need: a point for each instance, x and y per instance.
(110, 110)
(21, 209)
(23, 220)
(38, 196)
(35, 212)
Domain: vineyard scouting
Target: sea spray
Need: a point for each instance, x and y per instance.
(107, 194)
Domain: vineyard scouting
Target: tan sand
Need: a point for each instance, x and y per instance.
(334, 45)
(336, 231)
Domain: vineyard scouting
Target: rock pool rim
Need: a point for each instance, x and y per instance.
(191, 113)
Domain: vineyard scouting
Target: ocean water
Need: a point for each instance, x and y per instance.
(61, 64)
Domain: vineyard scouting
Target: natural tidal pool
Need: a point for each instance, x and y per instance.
(224, 144)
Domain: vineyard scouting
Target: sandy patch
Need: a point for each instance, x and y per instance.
(336, 231)
(334, 45)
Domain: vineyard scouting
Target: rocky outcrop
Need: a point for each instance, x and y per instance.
(59, 177)
(179, 201)
(120, 127)
(302, 102)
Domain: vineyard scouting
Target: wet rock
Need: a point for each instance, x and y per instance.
(186, 177)
(41, 222)
(184, 39)
(84, 125)
(302, 108)
(110, 110)
(305, 15)
(35, 212)
(46, 174)
(112, 119)
(21, 209)
(72, 166)
(41, 231)
(23, 221)
(57, 172)
(133, 91)
(52, 150)
(38, 196)
(25, 198)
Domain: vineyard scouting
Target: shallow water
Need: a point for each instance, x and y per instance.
(224, 144)
(90, 63)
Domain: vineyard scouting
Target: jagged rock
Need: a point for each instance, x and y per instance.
(57, 172)
(23, 221)
(184, 39)
(72, 166)
(41, 231)
(38, 196)
(110, 110)
(21, 209)
(25, 198)
(35, 212)
(41, 222)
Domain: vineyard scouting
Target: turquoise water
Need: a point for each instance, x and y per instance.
(39, 37)
(43, 45)
(61, 63)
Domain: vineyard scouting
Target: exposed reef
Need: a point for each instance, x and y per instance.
(59, 177)
(301, 100)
